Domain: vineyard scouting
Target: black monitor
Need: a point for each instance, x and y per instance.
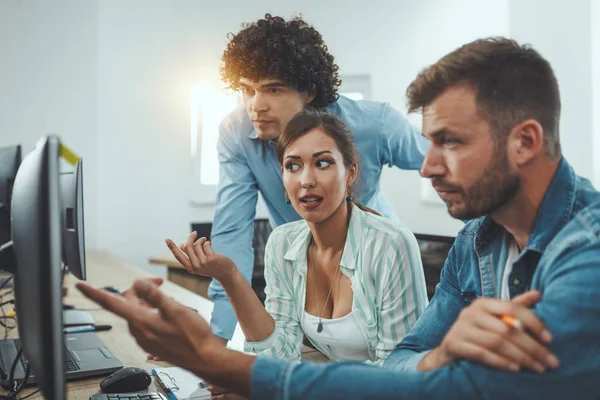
(434, 251)
(38, 247)
(10, 159)
(71, 186)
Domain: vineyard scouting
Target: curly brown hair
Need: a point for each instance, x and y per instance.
(291, 51)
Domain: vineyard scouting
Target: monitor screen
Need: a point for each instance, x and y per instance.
(10, 159)
(71, 187)
(434, 251)
(38, 247)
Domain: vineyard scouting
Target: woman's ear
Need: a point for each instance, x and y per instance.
(352, 174)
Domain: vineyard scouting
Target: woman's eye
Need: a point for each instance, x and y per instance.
(275, 90)
(292, 166)
(323, 163)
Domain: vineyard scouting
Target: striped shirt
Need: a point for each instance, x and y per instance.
(382, 260)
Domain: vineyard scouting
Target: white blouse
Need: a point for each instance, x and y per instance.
(341, 336)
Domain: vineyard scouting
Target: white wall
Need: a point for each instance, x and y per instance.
(48, 83)
(561, 32)
(148, 56)
(429, 31)
(113, 79)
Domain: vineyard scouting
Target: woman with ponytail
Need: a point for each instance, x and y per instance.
(348, 279)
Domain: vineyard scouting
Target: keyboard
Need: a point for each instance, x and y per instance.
(129, 396)
(70, 363)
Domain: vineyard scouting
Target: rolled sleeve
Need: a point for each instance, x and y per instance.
(286, 339)
(261, 346)
(401, 144)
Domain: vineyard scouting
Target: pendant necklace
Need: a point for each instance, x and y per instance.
(320, 314)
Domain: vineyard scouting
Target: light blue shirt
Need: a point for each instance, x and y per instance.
(248, 165)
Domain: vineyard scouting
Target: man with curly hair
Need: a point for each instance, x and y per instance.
(282, 67)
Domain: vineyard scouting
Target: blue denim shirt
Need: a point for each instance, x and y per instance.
(561, 260)
(248, 165)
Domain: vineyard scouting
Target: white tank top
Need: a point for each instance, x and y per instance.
(341, 336)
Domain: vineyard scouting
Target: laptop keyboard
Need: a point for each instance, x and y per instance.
(129, 396)
(70, 363)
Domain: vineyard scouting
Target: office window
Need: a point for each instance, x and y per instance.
(356, 87)
(210, 104)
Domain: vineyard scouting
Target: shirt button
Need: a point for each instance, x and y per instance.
(516, 282)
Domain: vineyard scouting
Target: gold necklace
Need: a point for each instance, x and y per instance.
(320, 315)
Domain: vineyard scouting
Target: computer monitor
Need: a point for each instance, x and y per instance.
(37, 245)
(434, 251)
(71, 186)
(10, 159)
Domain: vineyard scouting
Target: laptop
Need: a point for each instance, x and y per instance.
(85, 356)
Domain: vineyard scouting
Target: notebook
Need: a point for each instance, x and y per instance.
(180, 384)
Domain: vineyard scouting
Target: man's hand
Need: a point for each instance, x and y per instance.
(480, 336)
(175, 333)
(218, 393)
(199, 258)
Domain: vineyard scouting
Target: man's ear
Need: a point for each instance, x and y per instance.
(526, 141)
(309, 98)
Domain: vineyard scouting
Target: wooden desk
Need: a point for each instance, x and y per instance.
(177, 274)
(104, 269)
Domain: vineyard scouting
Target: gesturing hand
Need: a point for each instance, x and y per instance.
(479, 335)
(199, 258)
(175, 333)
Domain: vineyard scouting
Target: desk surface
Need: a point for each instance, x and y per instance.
(168, 260)
(104, 269)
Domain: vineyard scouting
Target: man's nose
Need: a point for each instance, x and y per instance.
(433, 165)
(259, 103)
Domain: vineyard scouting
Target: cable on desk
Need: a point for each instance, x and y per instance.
(11, 378)
(6, 326)
(3, 321)
(30, 394)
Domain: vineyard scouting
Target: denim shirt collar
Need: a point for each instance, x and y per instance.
(298, 249)
(553, 213)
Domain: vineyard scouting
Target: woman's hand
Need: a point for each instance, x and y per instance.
(199, 258)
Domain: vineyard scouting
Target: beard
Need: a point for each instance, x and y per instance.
(497, 185)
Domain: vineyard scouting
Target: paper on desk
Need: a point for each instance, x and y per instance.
(190, 386)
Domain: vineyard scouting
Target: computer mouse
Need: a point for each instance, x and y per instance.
(126, 380)
(112, 289)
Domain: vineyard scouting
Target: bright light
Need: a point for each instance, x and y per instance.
(354, 95)
(209, 104)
